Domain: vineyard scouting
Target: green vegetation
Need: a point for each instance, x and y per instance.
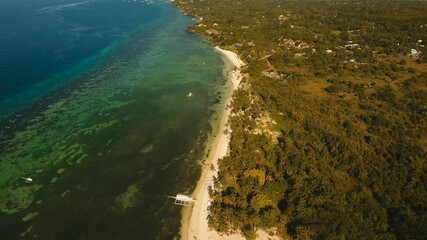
(129, 198)
(329, 131)
(17, 199)
(30, 216)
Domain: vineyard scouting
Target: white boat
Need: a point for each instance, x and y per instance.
(27, 179)
(183, 200)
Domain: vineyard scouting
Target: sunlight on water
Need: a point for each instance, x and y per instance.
(105, 151)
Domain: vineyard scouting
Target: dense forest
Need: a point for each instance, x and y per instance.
(329, 127)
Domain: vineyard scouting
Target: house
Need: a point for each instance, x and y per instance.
(415, 53)
(272, 74)
(288, 43)
(302, 45)
(352, 45)
(281, 18)
(251, 44)
(212, 32)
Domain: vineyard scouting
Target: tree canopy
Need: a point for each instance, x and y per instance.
(329, 131)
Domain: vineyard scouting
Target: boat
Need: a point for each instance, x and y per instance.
(183, 200)
(27, 179)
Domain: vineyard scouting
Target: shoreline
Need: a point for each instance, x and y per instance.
(194, 223)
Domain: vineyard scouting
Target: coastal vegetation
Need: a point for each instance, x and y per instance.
(329, 126)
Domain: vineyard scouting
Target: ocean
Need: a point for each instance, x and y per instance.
(94, 108)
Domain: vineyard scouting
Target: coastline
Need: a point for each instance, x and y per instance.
(276, 201)
(88, 97)
(194, 223)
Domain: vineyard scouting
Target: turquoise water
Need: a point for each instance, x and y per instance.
(45, 44)
(112, 134)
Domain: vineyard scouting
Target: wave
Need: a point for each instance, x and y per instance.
(57, 8)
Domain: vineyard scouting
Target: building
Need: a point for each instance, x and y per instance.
(212, 31)
(415, 53)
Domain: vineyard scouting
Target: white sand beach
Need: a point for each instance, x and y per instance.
(194, 222)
